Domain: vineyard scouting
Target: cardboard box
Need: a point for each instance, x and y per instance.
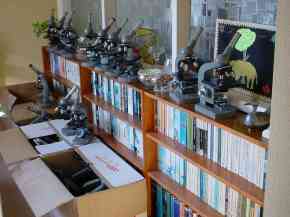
(46, 195)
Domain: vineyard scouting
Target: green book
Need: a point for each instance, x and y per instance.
(244, 206)
(159, 201)
(168, 204)
(189, 143)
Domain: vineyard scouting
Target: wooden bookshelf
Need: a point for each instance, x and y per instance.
(231, 179)
(233, 125)
(184, 195)
(151, 139)
(120, 148)
(119, 114)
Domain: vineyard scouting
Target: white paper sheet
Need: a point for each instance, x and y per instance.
(112, 167)
(53, 147)
(37, 130)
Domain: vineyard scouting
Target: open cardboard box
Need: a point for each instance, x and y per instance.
(45, 193)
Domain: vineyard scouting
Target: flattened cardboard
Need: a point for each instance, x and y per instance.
(14, 147)
(40, 187)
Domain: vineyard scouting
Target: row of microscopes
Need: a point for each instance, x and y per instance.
(204, 84)
(105, 49)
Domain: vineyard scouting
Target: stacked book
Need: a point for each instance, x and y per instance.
(168, 205)
(131, 137)
(210, 190)
(65, 68)
(229, 151)
(119, 95)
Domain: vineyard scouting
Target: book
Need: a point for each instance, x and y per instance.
(229, 151)
(215, 193)
(127, 135)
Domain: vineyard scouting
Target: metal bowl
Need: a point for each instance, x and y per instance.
(149, 77)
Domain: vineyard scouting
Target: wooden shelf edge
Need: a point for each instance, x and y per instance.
(108, 107)
(218, 123)
(231, 179)
(59, 78)
(184, 195)
(120, 148)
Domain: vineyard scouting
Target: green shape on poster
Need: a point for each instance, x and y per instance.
(248, 37)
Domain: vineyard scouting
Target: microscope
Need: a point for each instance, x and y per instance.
(78, 124)
(68, 37)
(86, 40)
(110, 47)
(127, 63)
(93, 50)
(214, 79)
(52, 30)
(187, 76)
(62, 111)
(46, 96)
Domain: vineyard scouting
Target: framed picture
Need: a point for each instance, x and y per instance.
(253, 57)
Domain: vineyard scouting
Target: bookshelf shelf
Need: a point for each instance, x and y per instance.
(232, 180)
(120, 148)
(233, 125)
(184, 195)
(108, 107)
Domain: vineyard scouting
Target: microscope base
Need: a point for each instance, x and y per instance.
(184, 98)
(89, 63)
(111, 74)
(69, 131)
(82, 140)
(127, 78)
(215, 113)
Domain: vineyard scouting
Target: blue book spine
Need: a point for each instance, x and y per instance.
(176, 207)
(182, 172)
(201, 185)
(134, 103)
(216, 194)
(159, 202)
(183, 125)
(161, 159)
(176, 124)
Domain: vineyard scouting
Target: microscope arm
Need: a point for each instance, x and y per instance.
(205, 69)
(70, 93)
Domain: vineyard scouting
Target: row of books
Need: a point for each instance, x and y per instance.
(166, 205)
(119, 95)
(210, 190)
(65, 68)
(131, 137)
(229, 151)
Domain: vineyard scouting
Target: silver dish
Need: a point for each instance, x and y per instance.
(154, 78)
